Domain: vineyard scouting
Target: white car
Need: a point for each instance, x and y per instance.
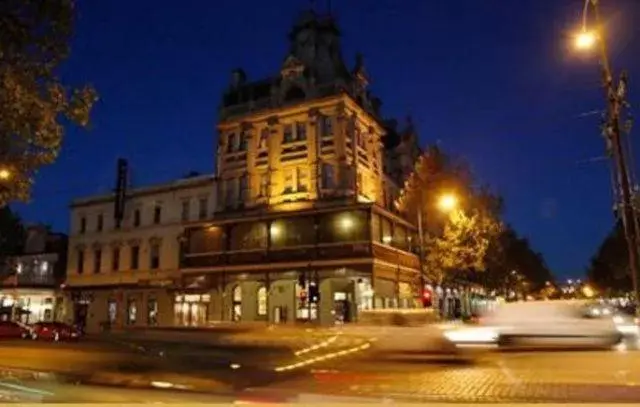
(554, 324)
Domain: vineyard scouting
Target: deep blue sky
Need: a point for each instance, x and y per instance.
(493, 80)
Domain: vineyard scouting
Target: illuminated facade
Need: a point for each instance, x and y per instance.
(30, 282)
(125, 276)
(304, 227)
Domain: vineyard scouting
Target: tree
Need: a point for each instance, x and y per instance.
(34, 103)
(456, 240)
(512, 259)
(609, 267)
(12, 232)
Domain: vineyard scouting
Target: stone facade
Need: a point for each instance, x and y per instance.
(305, 228)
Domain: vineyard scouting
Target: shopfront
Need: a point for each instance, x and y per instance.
(28, 306)
(191, 309)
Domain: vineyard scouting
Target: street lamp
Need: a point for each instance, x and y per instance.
(447, 202)
(615, 95)
(5, 174)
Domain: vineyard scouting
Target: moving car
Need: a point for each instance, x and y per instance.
(55, 331)
(549, 324)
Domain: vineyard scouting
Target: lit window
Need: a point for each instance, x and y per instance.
(44, 266)
(302, 179)
(152, 312)
(112, 310)
(19, 268)
(236, 310)
(288, 181)
(132, 312)
(262, 301)
(264, 185)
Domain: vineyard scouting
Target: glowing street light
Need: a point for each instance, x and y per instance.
(5, 174)
(585, 40)
(447, 202)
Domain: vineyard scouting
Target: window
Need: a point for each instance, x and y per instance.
(242, 144)
(231, 143)
(264, 137)
(242, 189)
(326, 126)
(328, 176)
(302, 181)
(44, 267)
(301, 131)
(152, 312)
(203, 205)
(97, 260)
(136, 218)
(132, 312)
(264, 185)
(135, 257)
(112, 311)
(287, 136)
(100, 224)
(229, 191)
(186, 209)
(288, 181)
(115, 259)
(157, 214)
(262, 301)
(80, 264)
(83, 224)
(236, 297)
(154, 256)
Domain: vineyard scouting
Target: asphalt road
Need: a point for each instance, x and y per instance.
(334, 370)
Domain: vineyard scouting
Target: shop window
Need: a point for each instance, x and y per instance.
(262, 301)
(132, 312)
(152, 312)
(236, 305)
(191, 309)
(112, 311)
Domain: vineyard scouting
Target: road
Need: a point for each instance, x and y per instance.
(337, 369)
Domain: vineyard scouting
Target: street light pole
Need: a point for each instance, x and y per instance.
(615, 95)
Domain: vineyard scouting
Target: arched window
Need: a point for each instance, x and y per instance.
(236, 306)
(262, 301)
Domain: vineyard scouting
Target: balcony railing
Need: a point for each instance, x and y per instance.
(334, 251)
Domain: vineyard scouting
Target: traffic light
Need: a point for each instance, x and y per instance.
(427, 298)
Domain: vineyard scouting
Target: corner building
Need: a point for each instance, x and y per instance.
(304, 228)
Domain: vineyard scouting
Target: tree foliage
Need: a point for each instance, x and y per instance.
(459, 239)
(34, 102)
(12, 232)
(609, 267)
(513, 253)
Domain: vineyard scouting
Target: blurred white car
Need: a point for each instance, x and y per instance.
(555, 324)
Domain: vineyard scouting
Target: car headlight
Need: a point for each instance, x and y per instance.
(482, 335)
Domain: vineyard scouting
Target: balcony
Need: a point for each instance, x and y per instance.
(280, 255)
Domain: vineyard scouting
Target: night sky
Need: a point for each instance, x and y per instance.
(495, 81)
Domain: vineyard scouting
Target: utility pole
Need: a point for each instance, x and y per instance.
(615, 94)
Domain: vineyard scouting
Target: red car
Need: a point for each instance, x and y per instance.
(54, 331)
(12, 330)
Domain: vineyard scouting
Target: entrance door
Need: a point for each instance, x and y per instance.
(80, 312)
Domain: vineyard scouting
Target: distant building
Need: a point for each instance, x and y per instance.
(125, 276)
(305, 227)
(30, 281)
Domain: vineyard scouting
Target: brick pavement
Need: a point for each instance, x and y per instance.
(533, 377)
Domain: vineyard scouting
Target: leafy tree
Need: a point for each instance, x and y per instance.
(513, 257)
(456, 240)
(34, 103)
(12, 232)
(609, 268)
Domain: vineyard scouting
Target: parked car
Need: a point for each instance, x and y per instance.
(55, 331)
(544, 324)
(12, 330)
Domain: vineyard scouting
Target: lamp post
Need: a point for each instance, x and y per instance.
(615, 94)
